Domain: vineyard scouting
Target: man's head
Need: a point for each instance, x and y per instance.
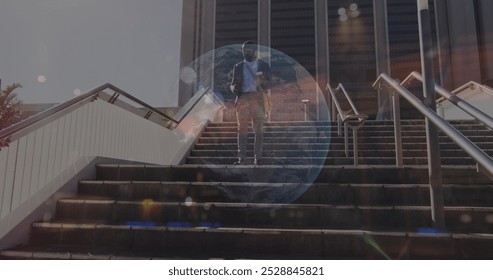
(249, 50)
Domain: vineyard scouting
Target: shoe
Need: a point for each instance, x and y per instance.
(240, 161)
(244, 161)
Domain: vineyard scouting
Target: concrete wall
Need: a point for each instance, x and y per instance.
(463, 42)
(485, 23)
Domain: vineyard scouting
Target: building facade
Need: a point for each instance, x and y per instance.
(348, 42)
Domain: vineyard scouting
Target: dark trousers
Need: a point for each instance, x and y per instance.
(250, 107)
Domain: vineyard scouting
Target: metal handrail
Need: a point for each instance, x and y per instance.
(454, 99)
(483, 159)
(183, 112)
(351, 119)
(28, 125)
(472, 84)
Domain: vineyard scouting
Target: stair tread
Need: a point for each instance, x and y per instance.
(220, 229)
(239, 230)
(382, 185)
(274, 206)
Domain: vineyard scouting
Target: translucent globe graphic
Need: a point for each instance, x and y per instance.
(296, 131)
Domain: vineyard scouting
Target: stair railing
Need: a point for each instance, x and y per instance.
(185, 110)
(30, 124)
(395, 89)
(351, 119)
(454, 99)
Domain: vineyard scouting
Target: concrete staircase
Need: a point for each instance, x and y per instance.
(307, 201)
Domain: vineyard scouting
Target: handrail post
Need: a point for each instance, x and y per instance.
(397, 129)
(339, 125)
(346, 141)
(346, 118)
(355, 146)
(432, 139)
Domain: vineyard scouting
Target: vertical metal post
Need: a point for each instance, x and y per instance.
(263, 25)
(396, 109)
(339, 131)
(346, 140)
(432, 140)
(355, 146)
(322, 56)
(382, 53)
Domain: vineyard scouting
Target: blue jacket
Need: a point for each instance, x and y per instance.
(238, 75)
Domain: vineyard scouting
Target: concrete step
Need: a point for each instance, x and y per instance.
(204, 243)
(324, 174)
(334, 146)
(307, 140)
(333, 133)
(156, 190)
(319, 193)
(396, 194)
(368, 123)
(266, 215)
(331, 153)
(308, 159)
(460, 175)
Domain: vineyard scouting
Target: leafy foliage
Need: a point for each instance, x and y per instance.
(9, 106)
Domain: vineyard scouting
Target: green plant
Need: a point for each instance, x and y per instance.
(10, 111)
